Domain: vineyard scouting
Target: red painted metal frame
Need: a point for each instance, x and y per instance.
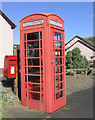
(48, 102)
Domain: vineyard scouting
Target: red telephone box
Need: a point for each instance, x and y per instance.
(42, 48)
(10, 66)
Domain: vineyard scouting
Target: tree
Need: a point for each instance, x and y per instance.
(74, 59)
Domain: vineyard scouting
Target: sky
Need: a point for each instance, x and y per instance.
(77, 16)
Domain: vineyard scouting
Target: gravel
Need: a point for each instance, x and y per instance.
(73, 84)
(78, 83)
(7, 97)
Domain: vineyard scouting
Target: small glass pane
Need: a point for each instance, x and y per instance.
(60, 86)
(57, 36)
(33, 53)
(36, 88)
(58, 44)
(59, 69)
(34, 79)
(41, 43)
(25, 78)
(33, 70)
(57, 85)
(41, 79)
(24, 45)
(41, 53)
(59, 94)
(25, 94)
(33, 36)
(33, 62)
(60, 78)
(32, 87)
(58, 61)
(25, 62)
(57, 78)
(33, 44)
(40, 35)
(25, 70)
(55, 44)
(24, 37)
(58, 52)
(25, 86)
(41, 61)
(41, 70)
(36, 96)
(25, 53)
(42, 89)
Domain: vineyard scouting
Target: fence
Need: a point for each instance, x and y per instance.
(76, 70)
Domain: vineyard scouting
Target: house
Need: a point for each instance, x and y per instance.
(86, 46)
(6, 38)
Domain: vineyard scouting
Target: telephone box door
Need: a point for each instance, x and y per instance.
(32, 60)
(58, 68)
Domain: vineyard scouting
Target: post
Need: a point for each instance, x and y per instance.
(15, 88)
(75, 73)
(86, 71)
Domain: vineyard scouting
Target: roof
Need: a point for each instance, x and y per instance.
(92, 39)
(84, 41)
(44, 14)
(8, 20)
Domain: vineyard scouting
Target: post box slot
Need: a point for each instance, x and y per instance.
(12, 60)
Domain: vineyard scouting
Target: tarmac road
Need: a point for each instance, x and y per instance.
(79, 105)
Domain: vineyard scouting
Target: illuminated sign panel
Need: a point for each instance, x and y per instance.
(56, 23)
(33, 23)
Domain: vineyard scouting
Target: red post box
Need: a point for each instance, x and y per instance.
(10, 66)
(42, 55)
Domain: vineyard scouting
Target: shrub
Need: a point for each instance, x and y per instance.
(74, 60)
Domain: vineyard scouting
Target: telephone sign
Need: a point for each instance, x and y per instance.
(33, 23)
(56, 23)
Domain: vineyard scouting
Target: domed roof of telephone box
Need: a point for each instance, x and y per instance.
(44, 14)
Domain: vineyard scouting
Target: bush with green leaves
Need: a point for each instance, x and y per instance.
(75, 60)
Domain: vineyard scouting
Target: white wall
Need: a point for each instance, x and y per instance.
(71, 42)
(6, 40)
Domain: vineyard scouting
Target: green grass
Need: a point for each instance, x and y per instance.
(6, 116)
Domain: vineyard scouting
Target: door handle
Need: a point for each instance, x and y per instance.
(53, 62)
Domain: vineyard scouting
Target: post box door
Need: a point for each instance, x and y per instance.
(12, 71)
